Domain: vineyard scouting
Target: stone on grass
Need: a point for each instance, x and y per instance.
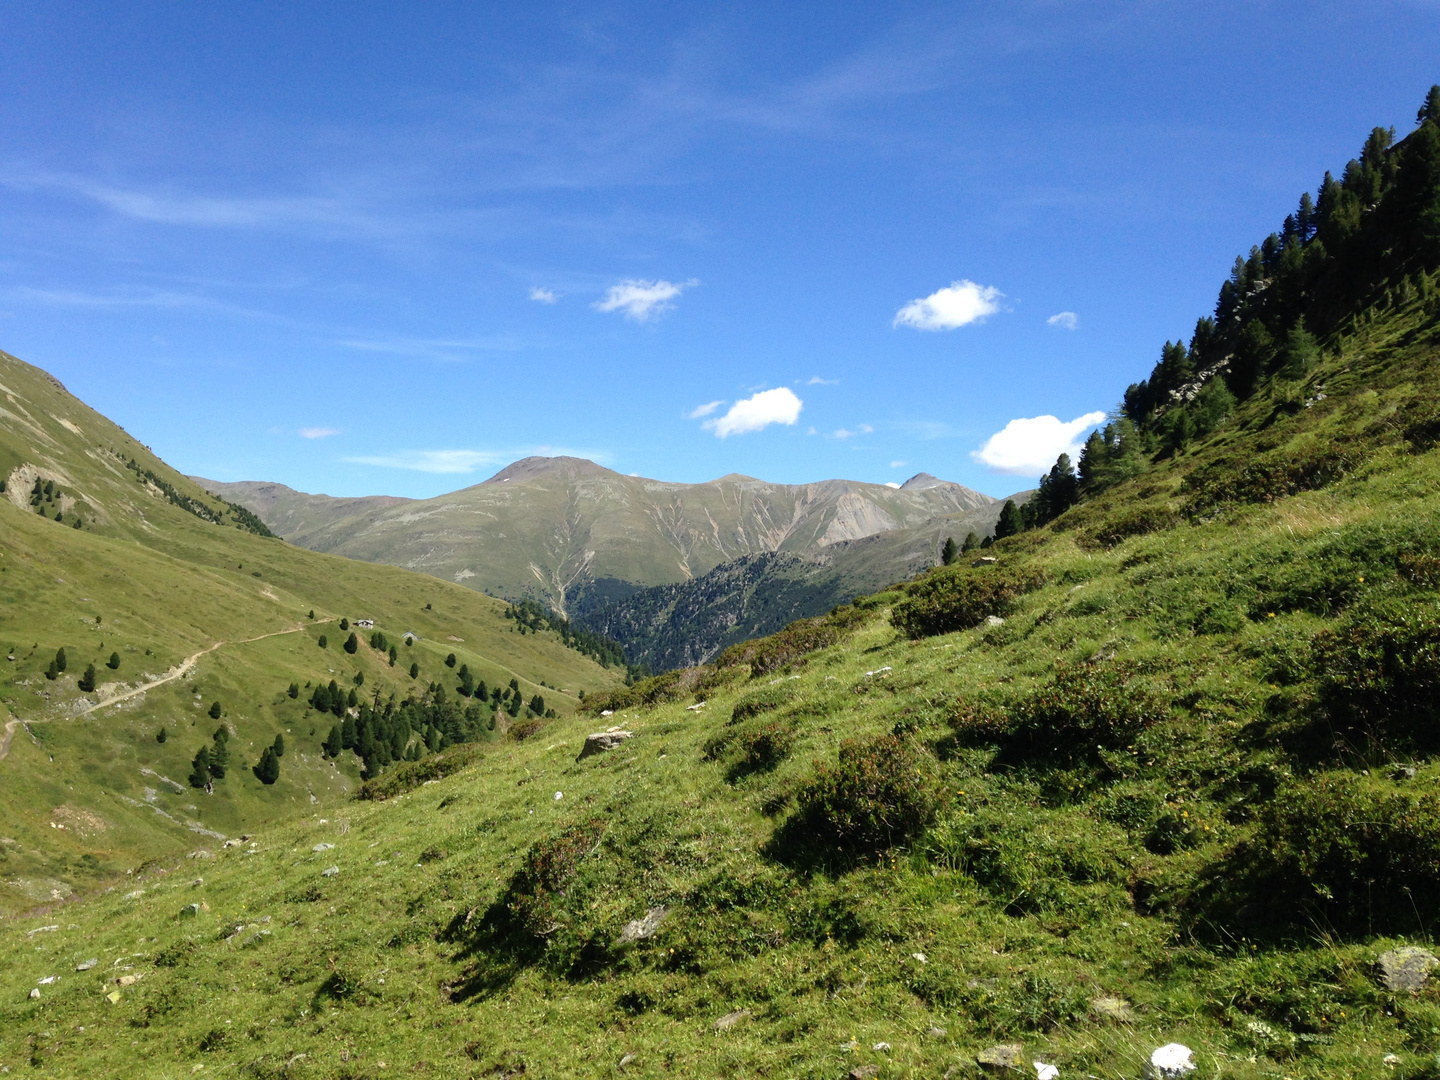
(1045, 1072)
(864, 1072)
(1173, 1061)
(1406, 968)
(189, 911)
(1110, 1007)
(994, 620)
(730, 1019)
(86, 965)
(1007, 1057)
(644, 927)
(34, 993)
(322, 847)
(602, 741)
(129, 980)
(331, 871)
(627, 1059)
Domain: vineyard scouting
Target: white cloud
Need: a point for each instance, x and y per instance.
(704, 410)
(318, 432)
(434, 461)
(543, 296)
(1030, 446)
(816, 380)
(846, 433)
(892, 484)
(778, 406)
(1066, 320)
(962, 303)
(898, 464)
(642, 300)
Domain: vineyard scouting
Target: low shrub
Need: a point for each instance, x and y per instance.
(959, 598)
(548, 867)
(878, 794)
(1119, 527)
(1083, 709)
(411, 775)
(804, 636)
(1243, 479)
(762, 748)
(1379, 674)
(765, 699)
(523, 729)
(1338, 851)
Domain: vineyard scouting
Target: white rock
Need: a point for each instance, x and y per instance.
(1045, 1072)
(920, 956)
(994, 620)
(559, 795)
(87, 965)
(333, 870)
(48, 979)
(1170, 1062)
(881, 1046)
(35, 993)
(322, 847)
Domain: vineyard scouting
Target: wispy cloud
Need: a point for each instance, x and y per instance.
(816, 380)
(898, 464)
(1030, 446)
(846, 433)
(961, 303)
(449, 349)
(642, 300)
(453, 462)
(1065, 320)
(543, 296)
(778, 406)
(704, 410)
(318, 432)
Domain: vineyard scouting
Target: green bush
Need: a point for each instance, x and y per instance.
(1379, 673)
(759, 701)
(879, 794)
(752, 747)
(1116, 528)
(548, 867)
(804, 636)
(1083, 709)
(1244, 478)
(957, 598)
(1337, 850)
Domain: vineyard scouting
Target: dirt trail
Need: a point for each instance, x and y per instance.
(177, 672)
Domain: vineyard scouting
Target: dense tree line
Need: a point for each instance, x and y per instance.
(244, 519)
(531, 617)
(1365, 241)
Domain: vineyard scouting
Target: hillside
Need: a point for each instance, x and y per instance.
(557, 529)
(1161, 772)
(193, 605)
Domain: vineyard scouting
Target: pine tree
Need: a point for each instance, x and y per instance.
(323, 642)
(333, 745)
(481, 691)
(1300, 351)
(393, 654)
(87, 681)
(344, 624)
(971, 543)
(949, 552)
(450, 660)
(114, 662)
(293, 691)
(1010, 521)
(200, 768)
(312, 614)
(352, 643)
(1431, 109)
(162, 735)
(414, 671)
(279, 746)
(60, 660)
(352, 699)
(52, 672)
(267, 770)
(537, 705)
(220, 752)
(215, 710)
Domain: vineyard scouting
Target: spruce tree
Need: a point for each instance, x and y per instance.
(162, 735)
(87, 681)
(312, 614)
(971, 543)
(333, 745)
(393, 654)
(114, 662)
(60, 660)
(351, 644)
(279, 746)
(450, 660)
(323, 642)
(537, 705)
(949, 552)
(267, 770)
(215, 710)
(344, 624)
(293, 691)
(1431, 109)
(200, 768)
(220, 753)
(1010, 521)
(414, 671)
(52, 672)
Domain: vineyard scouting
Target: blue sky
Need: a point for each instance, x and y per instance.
(388, 248)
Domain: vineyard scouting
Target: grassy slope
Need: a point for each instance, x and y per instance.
(164, 585)
(1037, 889)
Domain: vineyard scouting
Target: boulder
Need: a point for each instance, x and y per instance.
(189, 911)
(993, 621)
(1173, 1061)
(86, 965)
(644, 927)
(34, 993)
(330, 871)
(864, 1072)
(1007, 1057)
(1406, 968)
(322, 847)
(602, 741)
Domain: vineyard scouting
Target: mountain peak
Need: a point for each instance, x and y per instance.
(923, 480)
(517, 472)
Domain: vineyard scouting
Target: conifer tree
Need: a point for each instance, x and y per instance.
(393, 654)
(352, 643)
(220, 752)
(971, 542)
(215, 710)
(60, 660)
(114, 662)
(52, 672)
(87, 680)
(537, 705)
(1430, 110)
(949, 552)
(333, 745)
(344, 624)
(1010, 521)
(414, 671)
(162, 735)
(312, 614)
(293, 691)
(323, 642)
(200, 768)
(267, 769)
(450, 660)
(279, 745)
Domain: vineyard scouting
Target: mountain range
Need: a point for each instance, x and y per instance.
(625, 554)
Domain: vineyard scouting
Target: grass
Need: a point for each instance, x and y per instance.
(1090, 793)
